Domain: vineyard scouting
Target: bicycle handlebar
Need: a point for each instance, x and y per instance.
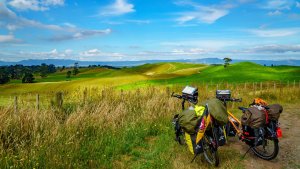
(236, 100)
(184, 98)
(232, 100)
(176, 95)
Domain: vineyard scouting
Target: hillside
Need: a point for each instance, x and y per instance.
(158, 74)
(238, 72)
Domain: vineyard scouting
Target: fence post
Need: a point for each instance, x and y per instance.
(59, 99)
(16, 104)
(245, 86)
(38, 102)
(274, 85)
(167, 90)
(84, 95)
(294, 84)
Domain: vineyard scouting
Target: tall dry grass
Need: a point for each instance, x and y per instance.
(107, 128)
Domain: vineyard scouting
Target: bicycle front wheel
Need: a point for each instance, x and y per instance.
(268, 150)
(210, 151)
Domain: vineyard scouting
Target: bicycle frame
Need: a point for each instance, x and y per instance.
(230, 117)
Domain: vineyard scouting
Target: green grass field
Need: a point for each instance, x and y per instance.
(154, 74)
(101, 126)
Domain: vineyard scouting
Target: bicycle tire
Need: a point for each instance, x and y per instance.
(267, 157)
(210, 151)
(180, 138)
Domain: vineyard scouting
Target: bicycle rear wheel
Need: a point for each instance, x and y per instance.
(268, 150)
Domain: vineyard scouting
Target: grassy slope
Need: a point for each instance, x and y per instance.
(159, 73)
(98, 77)
(239, 72)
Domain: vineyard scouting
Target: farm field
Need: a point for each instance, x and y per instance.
(122, 118)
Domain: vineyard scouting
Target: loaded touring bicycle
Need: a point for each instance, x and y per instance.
(204, 128)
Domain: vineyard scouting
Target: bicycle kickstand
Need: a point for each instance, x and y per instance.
(194, 158)
(246, 152)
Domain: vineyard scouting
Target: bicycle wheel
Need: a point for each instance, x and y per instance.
(268, 150)
(180, 138)
(210, 151)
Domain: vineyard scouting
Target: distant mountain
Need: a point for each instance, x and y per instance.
(62, 62)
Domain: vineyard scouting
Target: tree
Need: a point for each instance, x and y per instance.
(51, 68)
(227, 62)
(75, 70)
(69, 74)
(28, 78)
(4, 76)
(63, 68)
(43, 70)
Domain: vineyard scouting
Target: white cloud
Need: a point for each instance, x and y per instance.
(192, 51)
(278, 4)
(69, 25)
(275, 32)
(52, 54)
(79, 34)
(35, 5)
(13, 21)
(67, 30)
(119, 7)
(201, 13)
(92, 54)
(8, 39)
(275, 48)
(274, 13)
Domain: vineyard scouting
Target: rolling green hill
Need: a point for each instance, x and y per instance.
(238, 73)
(155, 74)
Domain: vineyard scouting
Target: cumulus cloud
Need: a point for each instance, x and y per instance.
(119, 7)
(274, 32)
(35, 5)
(52, 54)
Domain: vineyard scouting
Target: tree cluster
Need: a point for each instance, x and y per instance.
(24, 73)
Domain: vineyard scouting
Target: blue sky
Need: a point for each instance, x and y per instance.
(114, 30)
